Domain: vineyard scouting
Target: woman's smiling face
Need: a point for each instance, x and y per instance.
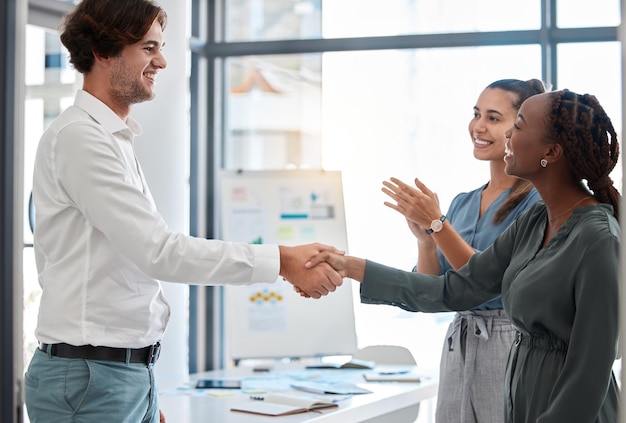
(493, 115)
(527, 138)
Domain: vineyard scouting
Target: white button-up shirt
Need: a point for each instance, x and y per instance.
(101, 246)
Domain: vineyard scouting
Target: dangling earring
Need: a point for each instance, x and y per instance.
(543, 162)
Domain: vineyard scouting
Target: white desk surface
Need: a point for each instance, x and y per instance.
(190, 406)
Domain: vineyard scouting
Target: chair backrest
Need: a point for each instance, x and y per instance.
(385, 354)
(390, 354)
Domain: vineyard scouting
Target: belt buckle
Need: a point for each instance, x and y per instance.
(153, 355)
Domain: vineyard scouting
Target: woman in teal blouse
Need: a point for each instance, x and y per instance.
(476, 348)
(556, 267)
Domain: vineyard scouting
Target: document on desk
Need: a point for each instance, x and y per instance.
(341, 388)
(352, 364)
(393, 376)
(284, 403)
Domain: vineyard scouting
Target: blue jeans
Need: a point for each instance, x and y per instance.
(86, 391)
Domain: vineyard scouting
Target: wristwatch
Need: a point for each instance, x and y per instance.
(436, 225)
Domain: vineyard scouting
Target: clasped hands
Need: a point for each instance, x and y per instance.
(315, 281)
(316, 269)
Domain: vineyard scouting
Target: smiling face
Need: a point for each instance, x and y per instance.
(527, 139)
(493, 115)
(134, 72)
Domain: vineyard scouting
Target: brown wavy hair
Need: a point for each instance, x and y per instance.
(579, 123)
(522, 91)
(105, 27)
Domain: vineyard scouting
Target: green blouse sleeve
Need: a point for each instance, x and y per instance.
(478, 281)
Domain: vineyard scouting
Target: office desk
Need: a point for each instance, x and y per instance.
(388, 399)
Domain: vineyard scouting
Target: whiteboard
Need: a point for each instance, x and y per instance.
(286, 207)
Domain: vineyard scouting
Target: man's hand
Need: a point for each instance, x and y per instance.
(314, 282)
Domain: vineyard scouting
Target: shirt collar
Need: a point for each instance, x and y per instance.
(102, 114)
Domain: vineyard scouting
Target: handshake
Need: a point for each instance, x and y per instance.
(317, 269)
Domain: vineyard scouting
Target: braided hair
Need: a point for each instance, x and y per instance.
(521, 187)
(579, 123)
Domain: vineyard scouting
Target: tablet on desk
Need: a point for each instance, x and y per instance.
(218, 384)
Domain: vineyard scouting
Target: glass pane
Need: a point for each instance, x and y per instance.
(359, 18)
(274, 109)
(255, 20)
(595, 68)
(587, 14)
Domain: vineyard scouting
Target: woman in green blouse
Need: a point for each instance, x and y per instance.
(556, 267)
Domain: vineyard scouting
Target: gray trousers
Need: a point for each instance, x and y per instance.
(472, 369)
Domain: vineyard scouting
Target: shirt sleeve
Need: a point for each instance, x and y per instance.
(94, 177)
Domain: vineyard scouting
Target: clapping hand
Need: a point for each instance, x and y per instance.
(418, 205)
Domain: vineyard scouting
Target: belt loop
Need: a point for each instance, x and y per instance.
(49, 350)
(128, 356)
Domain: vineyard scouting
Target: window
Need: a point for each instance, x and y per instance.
(589, 14)
(273, 112)
(258, 20)
(384, 89)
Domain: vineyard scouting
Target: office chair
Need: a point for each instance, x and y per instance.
(390, 354)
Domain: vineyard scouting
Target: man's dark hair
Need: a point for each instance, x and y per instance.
(105, 27)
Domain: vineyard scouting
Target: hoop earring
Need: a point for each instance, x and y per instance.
(543, 163)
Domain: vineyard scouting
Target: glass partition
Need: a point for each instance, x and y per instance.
(262, 20)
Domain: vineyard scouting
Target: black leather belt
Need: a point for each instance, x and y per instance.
(147, 355)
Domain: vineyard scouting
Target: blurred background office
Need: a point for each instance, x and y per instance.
(373, 89)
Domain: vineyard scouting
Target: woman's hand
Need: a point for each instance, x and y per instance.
(420, 206)
(347, 266)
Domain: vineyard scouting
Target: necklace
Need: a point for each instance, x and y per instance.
(551, 219)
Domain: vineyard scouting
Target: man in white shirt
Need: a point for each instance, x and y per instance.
(101, 246)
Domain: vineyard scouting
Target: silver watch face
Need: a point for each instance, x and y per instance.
(436, 225)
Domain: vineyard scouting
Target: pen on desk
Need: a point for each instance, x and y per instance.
(394, 372)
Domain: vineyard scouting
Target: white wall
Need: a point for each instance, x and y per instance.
(163, 152)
